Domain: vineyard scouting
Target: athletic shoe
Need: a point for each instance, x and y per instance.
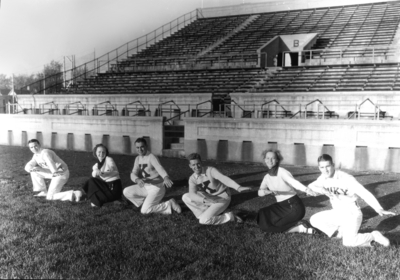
(378, 237)
(236, 218)
(78, 195)
(175, 206)
(41, 194)
(73, 197)
(309, 229)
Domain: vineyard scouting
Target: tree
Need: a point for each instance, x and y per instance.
(5, 82)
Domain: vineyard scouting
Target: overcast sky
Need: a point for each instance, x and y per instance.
(34, 32)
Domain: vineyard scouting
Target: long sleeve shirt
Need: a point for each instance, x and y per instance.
(149, 169)
(47, 159)
(110, 167)
(283, 185)
(343, 190)
(211, 181)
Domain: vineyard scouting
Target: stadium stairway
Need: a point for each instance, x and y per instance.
(174, 140)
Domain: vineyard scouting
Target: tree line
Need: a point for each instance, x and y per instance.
(52, 73)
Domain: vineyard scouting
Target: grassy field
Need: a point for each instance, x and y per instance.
(52, 239)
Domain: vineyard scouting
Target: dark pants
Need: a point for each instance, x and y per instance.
(281, 216)
(100, 192)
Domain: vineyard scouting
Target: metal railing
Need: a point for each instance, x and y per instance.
(276, 113)
(75, 108)
(53, 110)
(106, 106)
(358, 55)
(137, 107)
(64, 80)
(200, 114)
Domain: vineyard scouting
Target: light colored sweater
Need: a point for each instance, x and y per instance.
(149, 169)
(283, 185)
(211, 181)
(343, 189)
(108, 166)
(46, 159)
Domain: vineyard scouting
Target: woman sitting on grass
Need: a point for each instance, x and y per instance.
(105, 185)
(286, 214)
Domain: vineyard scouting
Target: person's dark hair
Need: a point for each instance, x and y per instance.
(141, 140)
(325, 157)
(97, 146)
(193, 156)
(33, 141)
(277, 153)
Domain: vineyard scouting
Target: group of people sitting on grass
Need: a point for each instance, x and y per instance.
(209, 192)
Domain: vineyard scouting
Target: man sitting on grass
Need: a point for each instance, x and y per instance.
(209, 193)
(344, 220)
(45, 164)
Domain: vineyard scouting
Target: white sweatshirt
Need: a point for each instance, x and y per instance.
(149, 169)
(343, 189)
(46, 159)
(283, 185)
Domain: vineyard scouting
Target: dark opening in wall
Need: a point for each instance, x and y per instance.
(10, 137)
(70, 141)
(105, 140)
(53, 140)
(127, 144)
(88, 142)
(24, 139)
(39, 137)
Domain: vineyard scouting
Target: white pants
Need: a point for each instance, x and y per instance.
(209, 214)
(149, 197)
(347, 221)
(56, 184)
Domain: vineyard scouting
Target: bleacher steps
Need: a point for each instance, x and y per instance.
(229, 35)
(180, 153)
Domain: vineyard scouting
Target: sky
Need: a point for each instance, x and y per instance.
(35, 32)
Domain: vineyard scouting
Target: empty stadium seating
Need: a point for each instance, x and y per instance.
(333, 78)
(219, 82)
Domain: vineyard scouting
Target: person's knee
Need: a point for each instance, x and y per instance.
(314, 221)
(128, 192)
(186, 199)
(145, 210)
(349, 241)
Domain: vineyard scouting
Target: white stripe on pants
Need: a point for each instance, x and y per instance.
(346, 220)
(56, 184)
(149, 197)
(209, 214)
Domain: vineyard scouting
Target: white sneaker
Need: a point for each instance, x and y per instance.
(378, 237)
(175, 206)
(78, 195)
(236, 218)
(41, 194)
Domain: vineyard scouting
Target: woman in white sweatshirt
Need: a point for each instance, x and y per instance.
(105, 184)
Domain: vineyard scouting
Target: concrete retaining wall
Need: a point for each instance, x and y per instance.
(340, 102)
(82, 133)
(359, 145)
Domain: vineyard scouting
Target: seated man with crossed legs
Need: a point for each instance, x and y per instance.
(151, 180)
(209, 195)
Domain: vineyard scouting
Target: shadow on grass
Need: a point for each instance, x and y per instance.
(389, 224)
(388, 202)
